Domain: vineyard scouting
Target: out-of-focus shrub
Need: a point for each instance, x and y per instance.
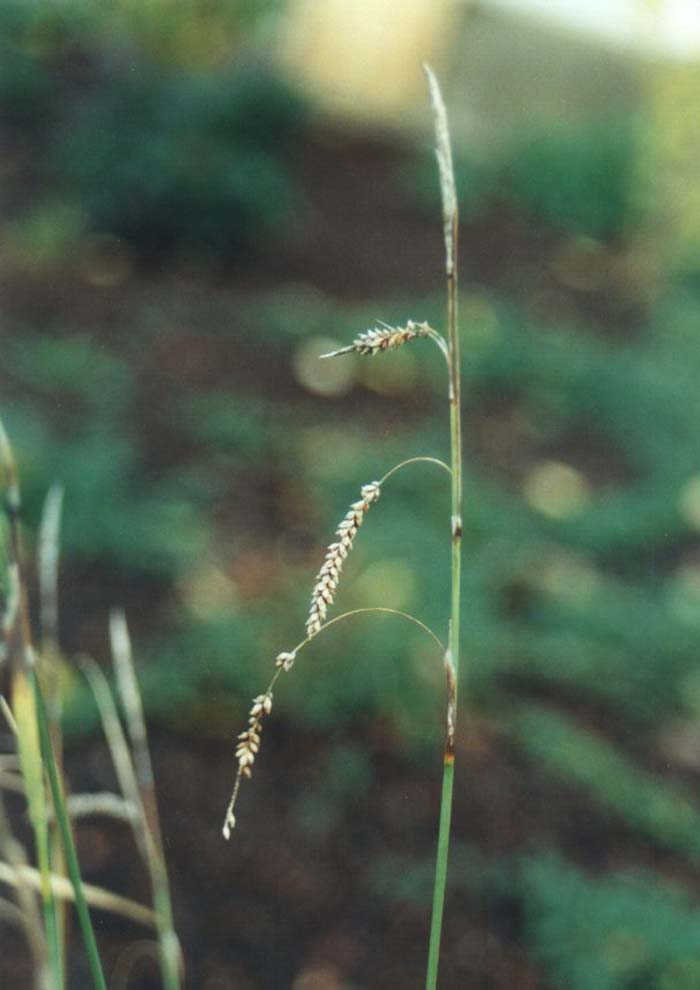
(190, 162)
(171, 158)
(580, 180)
(621, 933)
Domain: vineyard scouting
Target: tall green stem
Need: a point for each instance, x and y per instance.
(450, 220)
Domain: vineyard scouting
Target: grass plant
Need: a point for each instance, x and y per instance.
(37, 774)
(371, 342)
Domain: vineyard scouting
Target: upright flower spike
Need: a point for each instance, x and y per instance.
(327, 578)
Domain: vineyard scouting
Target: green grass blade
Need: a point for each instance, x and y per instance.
(29, 746)
(129, 692)
(67, 839)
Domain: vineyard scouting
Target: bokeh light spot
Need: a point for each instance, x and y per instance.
(569, 578)
(329, 378)
(391, 583)
(556, 490)
(208, 591)
(391, 375)
(318, 978)
(625, 951)
(105, 260)
(683, 594)
(689, 502)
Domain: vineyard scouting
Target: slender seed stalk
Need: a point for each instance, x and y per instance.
(324, 590)
(283, 664)
(450, 220)
(374, 341)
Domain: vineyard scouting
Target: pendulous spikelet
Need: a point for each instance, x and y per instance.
(249, 741)
(247, 750)
(327, 578)
(384, 338)
(325, 587)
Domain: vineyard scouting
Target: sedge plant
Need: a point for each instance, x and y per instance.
(373, 341)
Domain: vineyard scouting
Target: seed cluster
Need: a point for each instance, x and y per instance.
(286, 660)
(247, 750)
(383, 339)
(322, 596)
(249, 741)
(327, 578)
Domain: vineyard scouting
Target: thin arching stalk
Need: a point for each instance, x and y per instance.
(450, 219)
(286, 660)
(415, 460)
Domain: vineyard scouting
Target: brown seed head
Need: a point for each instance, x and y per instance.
(384, 338)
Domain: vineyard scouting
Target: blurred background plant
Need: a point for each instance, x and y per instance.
(198, 200)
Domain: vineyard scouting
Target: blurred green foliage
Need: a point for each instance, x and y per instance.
(624, 933)
(190, 159)
(578, 179)
(633, 930)
(70, 417)
(192, 162)
(583, 760)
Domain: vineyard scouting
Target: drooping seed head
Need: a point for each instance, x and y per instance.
(327, 578)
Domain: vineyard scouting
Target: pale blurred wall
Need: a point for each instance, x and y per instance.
(670, 168)
(362, 58)
(508, 64)
(500, 61)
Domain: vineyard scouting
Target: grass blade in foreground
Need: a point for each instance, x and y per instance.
(67, 839)
(170, 954)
